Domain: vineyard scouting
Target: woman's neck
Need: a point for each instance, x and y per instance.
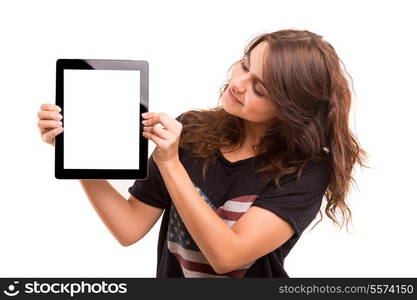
(254, 132)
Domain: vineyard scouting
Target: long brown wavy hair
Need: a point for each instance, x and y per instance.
(305, 80)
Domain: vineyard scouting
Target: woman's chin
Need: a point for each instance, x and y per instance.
(226, 105)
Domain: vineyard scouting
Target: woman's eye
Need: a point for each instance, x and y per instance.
(243, 66)
(246, 70)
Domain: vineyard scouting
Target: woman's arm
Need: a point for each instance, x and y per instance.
(128, 220)
(209, 231)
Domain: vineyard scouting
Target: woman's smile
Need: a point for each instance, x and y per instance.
(233, 98)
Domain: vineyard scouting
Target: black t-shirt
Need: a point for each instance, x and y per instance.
(230, 188)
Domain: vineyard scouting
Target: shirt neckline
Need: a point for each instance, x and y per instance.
(236, 163)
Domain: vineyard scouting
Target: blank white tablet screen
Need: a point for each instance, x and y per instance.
(101, 119)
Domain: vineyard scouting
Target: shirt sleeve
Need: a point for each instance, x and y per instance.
(152, 190)
(297, 202)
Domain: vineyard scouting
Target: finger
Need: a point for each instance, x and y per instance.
(50, 106)
(162, 118)
(157, 140)
(50, 135)
(47, 124)
(49, 115)
(159, 131)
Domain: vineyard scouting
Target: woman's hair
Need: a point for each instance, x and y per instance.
(306, 83)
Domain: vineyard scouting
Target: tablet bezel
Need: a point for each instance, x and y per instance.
(102, 64)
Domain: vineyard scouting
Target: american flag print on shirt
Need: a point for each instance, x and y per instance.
(180, 243)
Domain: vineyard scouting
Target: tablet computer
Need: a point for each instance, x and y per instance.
(102, 102)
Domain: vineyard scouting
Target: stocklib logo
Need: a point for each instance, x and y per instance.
(11, 289)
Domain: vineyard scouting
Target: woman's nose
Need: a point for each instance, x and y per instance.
(240, 82)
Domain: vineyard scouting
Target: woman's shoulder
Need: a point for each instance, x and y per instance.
(316, 172)
(311, 172)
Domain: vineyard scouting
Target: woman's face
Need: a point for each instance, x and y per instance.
(246, 86)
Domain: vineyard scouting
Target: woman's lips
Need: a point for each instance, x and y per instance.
(233, 98)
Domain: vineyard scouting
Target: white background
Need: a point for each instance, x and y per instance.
(49, 228)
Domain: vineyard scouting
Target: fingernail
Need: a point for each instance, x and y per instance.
(144, 114)
(59, 123)
(58, 117)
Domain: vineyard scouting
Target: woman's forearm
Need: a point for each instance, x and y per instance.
(212, 235)
(113, 209)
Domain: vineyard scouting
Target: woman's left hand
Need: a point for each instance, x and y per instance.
(166, 137)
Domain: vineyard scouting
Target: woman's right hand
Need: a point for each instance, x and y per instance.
(49, 123)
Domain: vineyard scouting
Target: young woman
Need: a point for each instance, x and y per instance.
(239, 183)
